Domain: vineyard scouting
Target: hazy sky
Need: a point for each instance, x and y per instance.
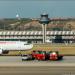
(33, 8)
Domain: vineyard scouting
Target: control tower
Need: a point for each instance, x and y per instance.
(44, 20)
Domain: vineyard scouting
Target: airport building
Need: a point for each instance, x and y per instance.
(37, 36)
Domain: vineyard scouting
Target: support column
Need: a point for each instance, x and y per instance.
(44, 32)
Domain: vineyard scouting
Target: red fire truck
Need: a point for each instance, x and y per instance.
(54, 55)
(39, 55)
(43, 55)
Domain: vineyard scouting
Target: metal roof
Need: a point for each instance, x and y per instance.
(37, 33)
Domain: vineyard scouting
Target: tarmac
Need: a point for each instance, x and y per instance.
(13, 65)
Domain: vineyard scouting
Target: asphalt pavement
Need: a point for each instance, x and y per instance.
(13, 65)
(18, 59)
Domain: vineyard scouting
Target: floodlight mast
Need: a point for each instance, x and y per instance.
(44, 20)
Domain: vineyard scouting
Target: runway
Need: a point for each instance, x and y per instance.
(13, 65)
(18, 59)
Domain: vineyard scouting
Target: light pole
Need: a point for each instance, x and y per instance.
(44, 20)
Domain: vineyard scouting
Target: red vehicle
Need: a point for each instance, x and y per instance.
(54, 55)
(39, 55)
(43, 55)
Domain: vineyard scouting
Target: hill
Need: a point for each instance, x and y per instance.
(29, 24)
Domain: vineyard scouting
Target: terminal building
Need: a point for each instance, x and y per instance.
(37, 36)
